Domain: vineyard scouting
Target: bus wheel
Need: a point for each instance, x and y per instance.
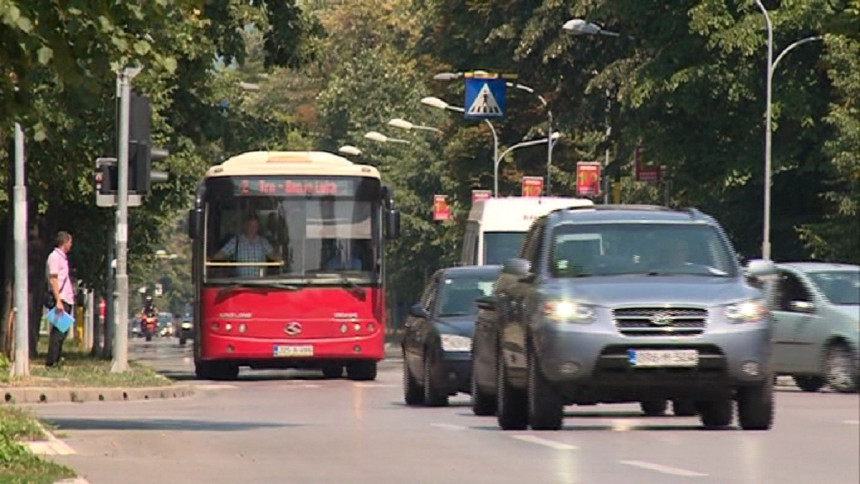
(332, 371)
(361, 370)
(216, 370)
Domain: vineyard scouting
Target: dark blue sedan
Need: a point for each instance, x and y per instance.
(437, 341)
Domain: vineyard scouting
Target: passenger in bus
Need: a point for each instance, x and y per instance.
(248, 246)
(340, 260)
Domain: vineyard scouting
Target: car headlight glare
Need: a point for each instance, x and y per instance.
(746, 311)
(568, 312)
(455, 342)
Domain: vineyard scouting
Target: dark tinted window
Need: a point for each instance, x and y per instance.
(501, 246)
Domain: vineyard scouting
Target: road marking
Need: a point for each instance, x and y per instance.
(851, 422)
(545, 442)
(661, 468)
(446, 426)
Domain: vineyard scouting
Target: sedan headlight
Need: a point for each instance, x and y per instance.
(752, 310)
(568, 312)
(455, 342)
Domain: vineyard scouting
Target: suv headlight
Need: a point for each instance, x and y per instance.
(751, 310)
(455, 342)
(568, 312)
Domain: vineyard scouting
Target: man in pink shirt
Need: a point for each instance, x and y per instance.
(60, 282)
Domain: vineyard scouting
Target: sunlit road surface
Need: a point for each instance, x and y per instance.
(289, 426)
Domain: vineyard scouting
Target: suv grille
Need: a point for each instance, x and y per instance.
(660, 321)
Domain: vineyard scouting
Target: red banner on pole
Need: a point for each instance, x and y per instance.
(644, 172)
(588, 178)
(481, 195)
(440, 208)
(532, 186)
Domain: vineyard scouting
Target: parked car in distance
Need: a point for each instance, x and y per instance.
(437, 338)
(817, 325)
(612, 304)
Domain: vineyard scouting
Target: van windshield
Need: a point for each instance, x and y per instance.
(501, 246)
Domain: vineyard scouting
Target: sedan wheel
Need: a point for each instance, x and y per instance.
(809, 383)
(433, 395)
(413, 393)
(840, 367)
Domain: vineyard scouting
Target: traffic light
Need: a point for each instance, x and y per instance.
(106, 176)
(141, 154)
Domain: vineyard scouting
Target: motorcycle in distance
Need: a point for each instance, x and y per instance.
(149, 319)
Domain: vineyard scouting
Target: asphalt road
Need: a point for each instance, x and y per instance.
(289, 426)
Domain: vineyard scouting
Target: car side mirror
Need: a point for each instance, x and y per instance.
(487, 303)
(802, 306)
(761, 269)
(517, 267)
(418, 311)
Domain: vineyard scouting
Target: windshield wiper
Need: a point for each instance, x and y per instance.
(353, 288)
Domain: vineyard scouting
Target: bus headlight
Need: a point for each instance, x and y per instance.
(751, 310)
(455, 342)
(568, 312)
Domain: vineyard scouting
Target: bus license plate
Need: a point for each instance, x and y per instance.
(293, 350)
(646, 358)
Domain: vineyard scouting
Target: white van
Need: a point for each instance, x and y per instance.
(496, 226)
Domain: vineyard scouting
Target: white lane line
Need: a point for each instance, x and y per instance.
(851, 422)
(661, 468)
(545, 442)
(446, 426)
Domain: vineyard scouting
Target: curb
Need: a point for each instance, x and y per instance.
(13, 395)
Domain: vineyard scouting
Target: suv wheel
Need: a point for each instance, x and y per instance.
(716, 413)
(840, 368)
(653, 408)
(809, 383)
(482, 404)
(683, 408)
(433, 395)
(413, 394)
(546, 410)
(511, 403)
(755, 406)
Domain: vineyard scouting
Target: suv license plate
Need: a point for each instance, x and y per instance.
(293, 350)
(646, 358)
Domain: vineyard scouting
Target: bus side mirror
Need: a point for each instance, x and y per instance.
(192, 224)
(392, 224)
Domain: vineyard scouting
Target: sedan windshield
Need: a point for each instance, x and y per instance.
(457, 295)
(628, 248)
(839, 287)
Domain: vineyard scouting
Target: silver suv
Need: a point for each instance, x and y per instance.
(624, 304)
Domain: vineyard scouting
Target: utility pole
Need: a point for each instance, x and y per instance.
(120, 342)
(22, 326)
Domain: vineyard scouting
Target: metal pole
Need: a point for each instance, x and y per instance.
(765, 246)
(606, 153)
(106, 346)
(120, 342)
(495, 161)
(89, 322)
(549, 146)
(21, 366)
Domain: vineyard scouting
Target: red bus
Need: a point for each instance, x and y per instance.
(287, 265)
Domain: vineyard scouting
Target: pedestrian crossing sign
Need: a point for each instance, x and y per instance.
(485, 97)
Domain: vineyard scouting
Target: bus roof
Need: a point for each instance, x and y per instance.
(290, 163)
(516, 214)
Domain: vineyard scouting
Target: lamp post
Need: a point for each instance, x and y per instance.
(522, 144)
(578, 26)
(435, 102)
(450, 76)
(381, 138)
(404, 124)
(349, 150)
(771, 65)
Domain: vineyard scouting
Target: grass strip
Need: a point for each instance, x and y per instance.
(17, 464)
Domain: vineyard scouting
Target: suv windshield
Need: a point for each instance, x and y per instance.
(632, 248)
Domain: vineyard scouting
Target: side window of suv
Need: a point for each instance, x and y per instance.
(531, 247)
(791, 289)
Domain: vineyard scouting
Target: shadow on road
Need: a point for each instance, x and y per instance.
(160, 424)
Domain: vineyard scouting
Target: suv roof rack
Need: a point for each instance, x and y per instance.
(613, 206)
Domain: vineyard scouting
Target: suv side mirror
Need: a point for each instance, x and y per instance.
(517, 267)
(761, 269)
(418, 311)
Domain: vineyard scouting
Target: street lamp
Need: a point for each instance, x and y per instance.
(771, 65)
(381, 138)
(522, 144)
(450, 76)
(435, 102)
(578, 26)
(403, 124)
(349, 150)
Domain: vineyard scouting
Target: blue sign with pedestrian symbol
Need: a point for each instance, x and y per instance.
(485, 98)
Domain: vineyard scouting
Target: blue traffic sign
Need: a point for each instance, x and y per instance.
(485, 98)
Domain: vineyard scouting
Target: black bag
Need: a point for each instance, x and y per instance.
(49, 300)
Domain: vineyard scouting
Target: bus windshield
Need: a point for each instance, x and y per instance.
(284, 228)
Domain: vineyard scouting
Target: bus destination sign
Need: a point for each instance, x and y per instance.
(294, 187)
